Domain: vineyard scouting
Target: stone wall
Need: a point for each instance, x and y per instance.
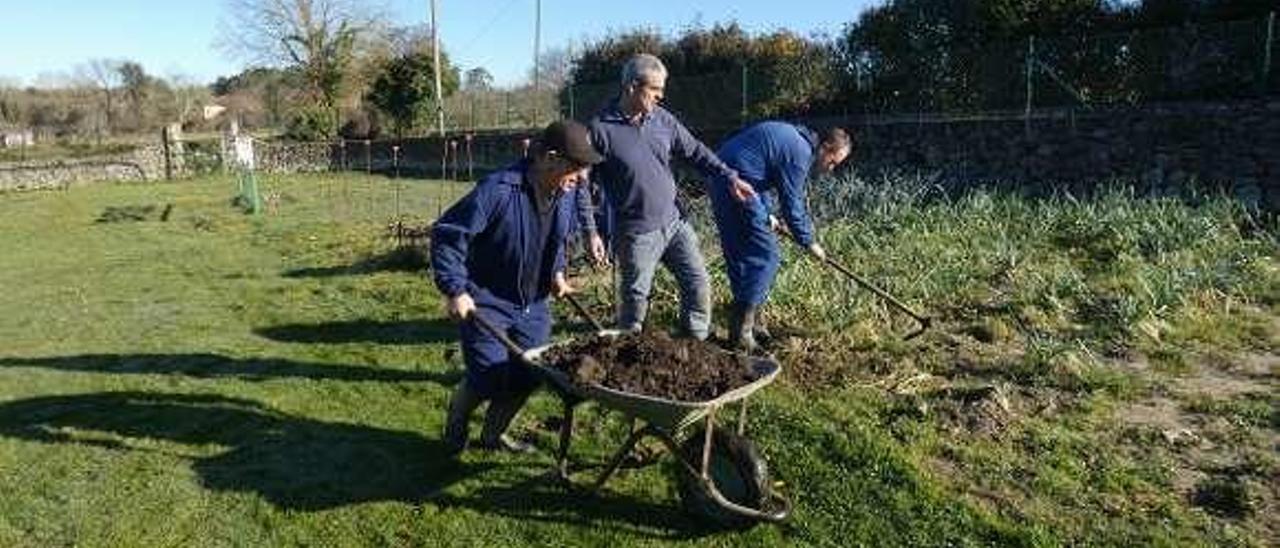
(1161, 149)
(416, 156)
(146, 163)
(271, 157)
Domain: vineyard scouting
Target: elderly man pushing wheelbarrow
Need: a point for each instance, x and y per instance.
(498, 254)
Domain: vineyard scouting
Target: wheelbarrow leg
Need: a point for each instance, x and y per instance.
(622, 453)
(566, 433)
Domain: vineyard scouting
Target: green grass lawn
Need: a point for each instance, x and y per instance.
(224, 379)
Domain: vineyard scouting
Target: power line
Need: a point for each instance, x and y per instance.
(487, 26)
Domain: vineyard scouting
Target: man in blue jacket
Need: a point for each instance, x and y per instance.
(498, 254)
(637, 138)
(773, 156)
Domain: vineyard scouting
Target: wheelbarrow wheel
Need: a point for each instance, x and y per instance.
(738, 471)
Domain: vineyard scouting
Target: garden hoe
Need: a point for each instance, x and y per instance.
(924, 321)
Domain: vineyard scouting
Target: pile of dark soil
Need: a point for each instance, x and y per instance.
(653, 364)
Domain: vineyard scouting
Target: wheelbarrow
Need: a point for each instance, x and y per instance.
(722, 475)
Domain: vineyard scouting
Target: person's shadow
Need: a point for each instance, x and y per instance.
(408, 332)
(203, 365)
(304, 464)
(294, 462)
(396, 260)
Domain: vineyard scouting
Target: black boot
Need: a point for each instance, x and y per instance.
(742, 319)
(503, 410)
(461, 405)
(761, 331)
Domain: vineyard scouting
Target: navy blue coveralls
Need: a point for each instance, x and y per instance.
(770, 156)
(482, 246)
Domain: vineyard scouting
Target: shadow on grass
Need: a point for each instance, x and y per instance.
(544, 499)
(215, 366)
(396, 260)
(402, 332)
(296, 463)
(303, 464)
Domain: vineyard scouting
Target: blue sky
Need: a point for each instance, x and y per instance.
(177, 36)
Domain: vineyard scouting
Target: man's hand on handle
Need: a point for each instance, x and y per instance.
(741, 190)
(461, 307)
(598, 254)
(814, 248)
(560, 286)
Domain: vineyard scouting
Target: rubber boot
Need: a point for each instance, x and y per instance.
(742, 319)
(761, 331)
(463, 402)
(503, 410)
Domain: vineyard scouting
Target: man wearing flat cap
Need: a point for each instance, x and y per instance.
(498, 254)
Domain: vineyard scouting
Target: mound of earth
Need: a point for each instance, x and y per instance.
(653, 364)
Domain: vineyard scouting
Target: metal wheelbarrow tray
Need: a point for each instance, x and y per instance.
(669, 421)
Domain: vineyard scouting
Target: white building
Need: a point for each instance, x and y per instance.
(14, 137)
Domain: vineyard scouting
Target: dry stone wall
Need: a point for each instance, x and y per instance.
(143, 164)
(1162, 149)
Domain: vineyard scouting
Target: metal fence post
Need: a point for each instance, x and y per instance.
(453, 150)
(395, 170)
(1031, 57)
(572, 107)
(470, 159)
(1266, 53)
(444, 159)
(168, 153)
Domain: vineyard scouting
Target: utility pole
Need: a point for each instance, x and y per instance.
(435, 52)
(537, 45)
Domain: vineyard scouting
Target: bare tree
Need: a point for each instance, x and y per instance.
(104, 76)
(11, 108)
(55, 80)
(317, 37)
(137, 86)
(554, 66)
(186, 95)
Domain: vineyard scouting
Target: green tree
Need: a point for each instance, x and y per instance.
(405, 90)
(478, 80)
(787, 73)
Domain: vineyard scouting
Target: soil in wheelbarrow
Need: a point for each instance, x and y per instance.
(653, 364)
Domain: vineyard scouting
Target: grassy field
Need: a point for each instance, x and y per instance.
(1103, 371)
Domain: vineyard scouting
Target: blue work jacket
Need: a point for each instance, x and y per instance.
(776, 156)
(481, 244)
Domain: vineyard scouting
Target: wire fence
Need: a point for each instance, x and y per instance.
(1209, 62)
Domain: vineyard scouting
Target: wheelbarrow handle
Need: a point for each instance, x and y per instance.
(496, 333)
(582, 311)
